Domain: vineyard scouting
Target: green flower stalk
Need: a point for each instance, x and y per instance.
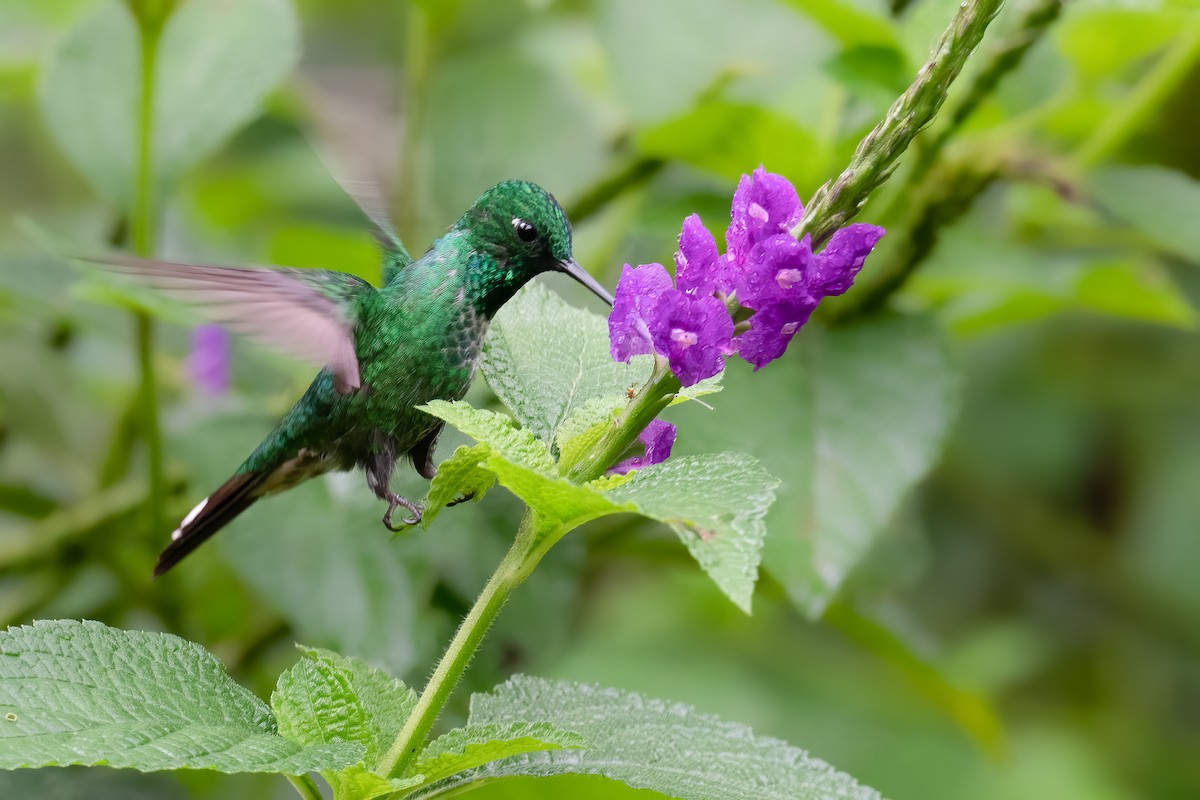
(838, 202)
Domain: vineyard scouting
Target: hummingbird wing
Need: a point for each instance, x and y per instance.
(306, 313)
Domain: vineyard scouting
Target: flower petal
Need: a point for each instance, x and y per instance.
(692, 333)
(699, 270)
(835, 267)
(637, 291)
(771, 329)
(765, 204)
(760, 281)
(658, 438)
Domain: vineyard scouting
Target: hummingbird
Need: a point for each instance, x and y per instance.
(383, 350)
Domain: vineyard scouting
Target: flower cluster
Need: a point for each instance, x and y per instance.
(764, 268)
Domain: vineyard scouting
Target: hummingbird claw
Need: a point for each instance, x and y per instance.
(461, 499)
(395, 500)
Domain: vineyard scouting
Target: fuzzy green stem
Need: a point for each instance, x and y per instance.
(1005, 57)
(838, 202)
(637, 414)
(1130, 114)
(142, 223)
(512, 571)
(305, 786)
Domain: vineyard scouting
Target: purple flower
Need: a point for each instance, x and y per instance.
(694, 333)
(208, 362)
(658, 438)
(637, 291)
(843, 257)
(699, 270)
(764, 205)
(771, 329)
(779, 269)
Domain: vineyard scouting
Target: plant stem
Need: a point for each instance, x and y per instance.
(653, 397)
(142, 223)
(1170, 69)
(305, 786)
(838, 202)
(513, 569)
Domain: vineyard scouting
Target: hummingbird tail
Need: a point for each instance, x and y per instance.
(209, 516)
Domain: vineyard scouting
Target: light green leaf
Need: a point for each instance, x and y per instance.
(84, 693)
(216, 62)
(543, 358)
(850, 24)
(717, 505)
(89, 97)
(314, 704)
(473, 746)
(867, 410)
(1160, 203)
(327, 698)
(585, 426)
(1137, 291)
(727, 139)
(877, 402)
(497, 431)
(652, 744)
(458, 476)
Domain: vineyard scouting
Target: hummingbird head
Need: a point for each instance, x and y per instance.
(519, 231)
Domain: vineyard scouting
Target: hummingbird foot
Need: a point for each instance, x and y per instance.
(461, 499)
(395, 500)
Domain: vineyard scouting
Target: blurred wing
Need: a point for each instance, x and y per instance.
(357, 139)
(306, 313)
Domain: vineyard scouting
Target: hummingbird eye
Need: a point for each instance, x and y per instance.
(525, 230)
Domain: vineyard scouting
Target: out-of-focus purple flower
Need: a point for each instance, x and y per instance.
(764, 205)
(771, 329)
(693, 333)
(699, 270)
(208, 361)
(637, 291)
(658, 438)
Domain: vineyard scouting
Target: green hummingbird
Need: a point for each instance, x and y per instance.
(384, 351)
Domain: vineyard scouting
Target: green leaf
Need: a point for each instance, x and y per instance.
(328, 698)
(1160, 203)
(651, 744)
(727, 139)
(384, 702)
(498, 431)
(458, 476)
(543, 358)
(216, 62)
(867, 409)
(89, 97)
(879, 399)
(850, 25)
(717, 505)
(84, 693)
(585, 426)
(473, 746)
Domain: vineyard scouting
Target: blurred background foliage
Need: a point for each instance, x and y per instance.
(980, 575)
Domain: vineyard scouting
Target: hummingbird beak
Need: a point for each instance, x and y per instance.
(578, 273)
